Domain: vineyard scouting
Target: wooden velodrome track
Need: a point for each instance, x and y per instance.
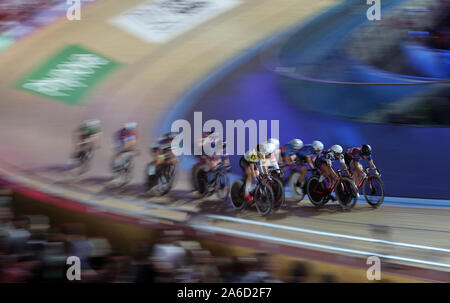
(35, 134)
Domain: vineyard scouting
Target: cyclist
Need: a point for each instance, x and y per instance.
(217, 157)
(251, 164)
(125, 140)
(324, 163)
(204, 140)
(305, 155)
(271, 160)
(352, 158)
(289, 151)
(163, 149)
(277, 152)
(162, 153)
(165, 140)
(86, 137)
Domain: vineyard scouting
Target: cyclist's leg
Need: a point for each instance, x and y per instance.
(324, 172)
(349, 162)
(118, 149)
(80, 144)
(357, 171)
(78, 150)
(331, 176)
(243, 164)
(303, 172)
(251, 176)
(323, 168)
(201, 163)
(210, 170)
(130, 146)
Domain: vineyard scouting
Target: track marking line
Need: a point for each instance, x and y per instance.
(326, 247)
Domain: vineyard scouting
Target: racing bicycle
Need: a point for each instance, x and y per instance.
(160, 177)
(81, 161)
(277, 186)
(319, 193)
(373, 189)
(123, 167)
(263, 197)
(220, 184)
(298, 192)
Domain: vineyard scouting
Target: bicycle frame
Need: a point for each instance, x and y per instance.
(365, 178)
(220, 167)
(330, 189)
(260, 179)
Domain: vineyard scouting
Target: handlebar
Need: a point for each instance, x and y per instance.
(374, 169)
(339, 171)
(130, 153)
(222, 165)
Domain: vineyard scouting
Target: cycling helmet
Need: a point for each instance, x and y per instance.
(211, 134)
(337, 149)
(270, 148)
(169, 135)
(296, 144)
(317, 145)
(261, 148)
(220, 143)
(167, 138)
(275, 142)
(131, 125)
(92, 123)
(366, 150)
(155, 148)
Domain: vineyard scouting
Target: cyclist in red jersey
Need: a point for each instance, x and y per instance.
(125, 139)
(354, 155)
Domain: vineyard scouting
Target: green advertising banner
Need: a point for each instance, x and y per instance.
(68, 75)
(5, 42)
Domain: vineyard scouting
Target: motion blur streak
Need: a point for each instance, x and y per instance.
(327, 247)
(309, 231)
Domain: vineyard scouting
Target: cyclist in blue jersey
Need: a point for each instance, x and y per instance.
(305, 155)
(354, 155)
(324, 163)
(162, 150)
(214, 159)
(290, 150)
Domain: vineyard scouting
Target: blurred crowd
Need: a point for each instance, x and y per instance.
(32, 250)
(423, 21)
(13, 12)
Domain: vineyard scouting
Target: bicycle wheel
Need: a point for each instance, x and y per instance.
(373, 191)
(85, 162)
(346, 193)
(150, 176)
(316, 192)
(264, 199)
(296, 191)
(237, 195)
(194, 177)
(165, 180)
(126, 176)
(222, 186)
(202, 182)
(171, 171)
(278, 192)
